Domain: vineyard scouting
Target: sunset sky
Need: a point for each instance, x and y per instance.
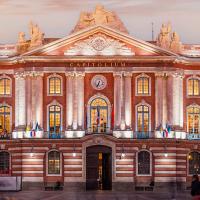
(58, 17)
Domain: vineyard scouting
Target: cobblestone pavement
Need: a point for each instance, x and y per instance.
(98, 195)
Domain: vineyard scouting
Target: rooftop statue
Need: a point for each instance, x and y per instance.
(21, 38)
(163, 39)
(175, 44)
(36, 35)
(168, 40)
(100, 16)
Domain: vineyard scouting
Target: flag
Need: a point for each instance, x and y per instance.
(98, 115)
(37, 127)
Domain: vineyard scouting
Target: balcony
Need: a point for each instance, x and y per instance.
(98, 130)
(193, 136)
(144, 135)
(5, 136)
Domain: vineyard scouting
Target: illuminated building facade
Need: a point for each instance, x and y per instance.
(99, 108)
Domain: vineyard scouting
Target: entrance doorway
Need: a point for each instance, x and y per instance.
(98, 168)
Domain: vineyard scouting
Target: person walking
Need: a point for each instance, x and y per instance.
(195, 187)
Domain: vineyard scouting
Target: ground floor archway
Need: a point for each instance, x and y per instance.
(98, 168)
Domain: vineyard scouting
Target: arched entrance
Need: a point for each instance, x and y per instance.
(98, 168)
(98, 114)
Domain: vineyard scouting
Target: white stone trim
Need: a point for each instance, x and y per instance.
(99, 95)
(4, 76)
(61, 87)
(136, 84)
(61, 163)
(150, 163)
(142, 103)
(55, 103)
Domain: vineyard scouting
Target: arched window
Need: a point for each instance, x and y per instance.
(55, 85)
(143, 118)
(54, 162)
(54, 119)
(194, 163)
(193, 119)
(144, 163)
(5, 86)
(143, 85)
(98, 115)
(5, 124)
(193, 87)
(4, 162)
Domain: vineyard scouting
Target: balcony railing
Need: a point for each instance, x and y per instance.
(144, 135)
(193, 136)
(96, 130)
(5, 136)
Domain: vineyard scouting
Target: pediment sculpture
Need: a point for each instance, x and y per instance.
(99, 44)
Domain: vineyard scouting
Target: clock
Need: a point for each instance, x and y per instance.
(99, 82)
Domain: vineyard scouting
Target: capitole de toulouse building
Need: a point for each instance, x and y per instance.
(100, 109)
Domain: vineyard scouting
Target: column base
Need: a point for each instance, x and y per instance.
(123, 134)
(74, 133)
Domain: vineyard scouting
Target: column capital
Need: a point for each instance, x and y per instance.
(69, 74)
(117, 74)
(79, 74)
(128, 74)
(19, 75)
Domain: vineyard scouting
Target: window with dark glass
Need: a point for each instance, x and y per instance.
(144, 163)
(55, 118)
(54, 162)
(5, 124)
(193, 119)
(54, 85)
(194, 163)
(193, 88)
(142, 118)
(143, 86)
(4, 162)
(5, 86)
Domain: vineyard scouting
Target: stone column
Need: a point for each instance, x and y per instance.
(38, 100)
(161, 99)
(128, 103)
(20, 102)
(177, 100)
(69, 100)
(29, 100)
(80, 100)
(117, 100)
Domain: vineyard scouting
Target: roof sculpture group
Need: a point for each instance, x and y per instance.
(100, 16)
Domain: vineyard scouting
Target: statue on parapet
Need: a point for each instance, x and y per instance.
(168, 40)
(100, 16)
(36, 35)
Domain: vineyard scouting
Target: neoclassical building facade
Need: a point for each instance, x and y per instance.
(100, 109)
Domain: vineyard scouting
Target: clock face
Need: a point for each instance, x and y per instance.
(99, 82)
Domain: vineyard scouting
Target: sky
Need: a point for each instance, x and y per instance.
(57, 18)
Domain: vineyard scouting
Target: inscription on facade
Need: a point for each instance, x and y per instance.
(98, 64)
